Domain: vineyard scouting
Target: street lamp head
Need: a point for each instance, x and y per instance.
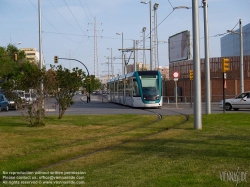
(144, 2)
(179, 7)
(143, 29)
(156, 6)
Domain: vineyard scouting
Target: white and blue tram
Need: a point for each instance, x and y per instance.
(136, 89)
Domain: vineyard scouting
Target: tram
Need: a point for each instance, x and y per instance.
(142, 89)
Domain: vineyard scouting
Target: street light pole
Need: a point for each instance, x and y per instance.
(40, 50)
(143, 56)
(150, 32)
(123, 64)
(111, 59)
(207, 63)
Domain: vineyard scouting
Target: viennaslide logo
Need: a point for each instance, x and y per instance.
(237, 176)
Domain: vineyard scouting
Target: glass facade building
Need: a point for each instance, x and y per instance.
(230, 44)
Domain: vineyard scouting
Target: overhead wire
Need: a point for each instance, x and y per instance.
(170, 4)
(235, 25)
(73, 16)
(84, 10)
(61, 15)
(88, 8)
(65, 34)
(53, 25)
(161, 21)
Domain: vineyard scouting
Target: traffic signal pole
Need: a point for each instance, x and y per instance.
(224, 91)
(191, 77)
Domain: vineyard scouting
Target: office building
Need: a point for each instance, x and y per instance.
(230, 44)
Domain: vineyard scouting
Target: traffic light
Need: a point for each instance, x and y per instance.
(191, 74)
(89, 80)
(15, 56)
(55, 59)
(225, 65)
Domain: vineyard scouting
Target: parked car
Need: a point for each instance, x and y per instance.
(34, 97)
(241, 101)
(12, 98)
(78, 92)
(20, 94)
(4, 103)
(27, 98)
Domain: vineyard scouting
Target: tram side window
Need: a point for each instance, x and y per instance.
(121, 87)
(128, 89)
(136, 92)
(108, 88)
(116, 87)
(112, 88)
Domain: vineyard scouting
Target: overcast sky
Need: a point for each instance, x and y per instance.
(68, 27)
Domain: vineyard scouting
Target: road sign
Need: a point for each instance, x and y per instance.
(176, 74)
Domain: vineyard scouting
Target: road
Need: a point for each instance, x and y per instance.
(99, 106)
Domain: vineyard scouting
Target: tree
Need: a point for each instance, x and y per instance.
(94, 83)
(8, 66)
(64, 85)
(22, 75)
(28, 78)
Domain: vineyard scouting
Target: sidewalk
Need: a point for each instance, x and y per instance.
(188, 103)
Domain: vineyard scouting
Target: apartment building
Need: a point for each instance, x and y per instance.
(31, 54)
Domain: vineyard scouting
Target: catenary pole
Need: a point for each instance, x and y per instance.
(207, 63)
(241, 59)
(196, 64)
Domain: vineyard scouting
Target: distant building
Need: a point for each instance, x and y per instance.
(105, 78)
(139, 67)
(32, 55)
(230, 44)
(164, 72)
(130, 68)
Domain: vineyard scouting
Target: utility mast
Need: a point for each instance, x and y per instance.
(155, 39)
(96, 64)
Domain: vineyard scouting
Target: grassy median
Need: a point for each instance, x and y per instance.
(120, 150)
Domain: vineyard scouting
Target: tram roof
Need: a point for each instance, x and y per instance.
(132, 74)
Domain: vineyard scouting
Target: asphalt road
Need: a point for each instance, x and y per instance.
(98, 105)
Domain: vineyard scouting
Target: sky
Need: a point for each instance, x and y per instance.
(68, 28)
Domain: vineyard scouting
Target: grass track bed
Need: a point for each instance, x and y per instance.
(180, 156)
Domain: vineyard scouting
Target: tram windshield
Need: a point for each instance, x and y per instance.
(150, 86)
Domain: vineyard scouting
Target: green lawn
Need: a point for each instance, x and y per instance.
(120, 150)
